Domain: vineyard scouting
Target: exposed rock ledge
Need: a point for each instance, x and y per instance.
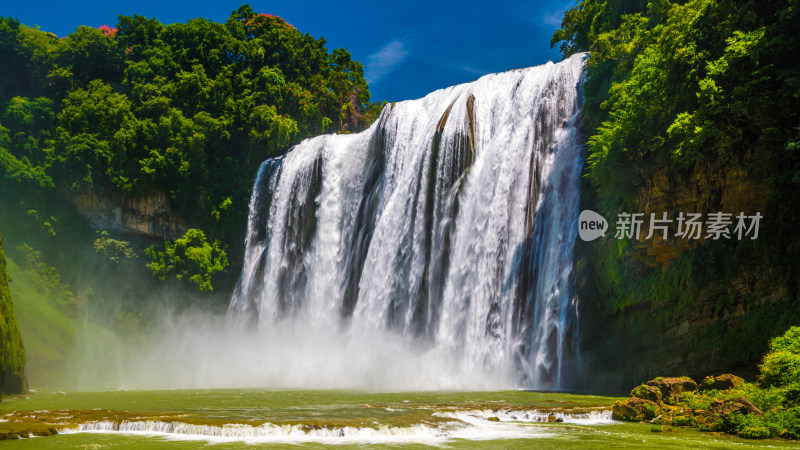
(148, 214)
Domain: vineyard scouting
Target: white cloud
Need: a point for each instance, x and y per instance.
(553, 19)
(385, 60)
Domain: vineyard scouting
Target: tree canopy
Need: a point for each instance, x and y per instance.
(681, 83)
(189, 109)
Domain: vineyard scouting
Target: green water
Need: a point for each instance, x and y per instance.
(380, 414)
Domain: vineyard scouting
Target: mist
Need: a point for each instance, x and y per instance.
(200, 350)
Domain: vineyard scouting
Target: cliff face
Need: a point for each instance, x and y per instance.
(654, 307)
(13, 379)
(149, 214)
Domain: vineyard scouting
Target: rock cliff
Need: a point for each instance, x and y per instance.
(685, 307)
(147, 214)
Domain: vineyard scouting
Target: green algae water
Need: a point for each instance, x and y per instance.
(235, 418)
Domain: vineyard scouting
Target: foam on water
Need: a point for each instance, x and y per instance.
(469, 425)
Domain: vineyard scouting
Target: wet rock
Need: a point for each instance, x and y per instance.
(634, 409)
(552, 418)
(671, 387)
(721, 382)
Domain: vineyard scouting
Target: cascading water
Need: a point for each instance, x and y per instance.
(447, 226)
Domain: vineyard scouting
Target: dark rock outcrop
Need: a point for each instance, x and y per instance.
(148, 214)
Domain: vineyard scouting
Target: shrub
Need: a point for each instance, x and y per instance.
(113, 249)
(784, 422)
(191, 258)
(650, 411)
(792, 395)
(755, 433)
(697, 400)
(781, 365)
(684, 421)
(765, 399)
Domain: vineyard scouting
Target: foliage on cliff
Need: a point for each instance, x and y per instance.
(696, 99)
(189, 109)
(687, 82)
(191, 258)
(115, 250)
(780, 368)
(13, 379)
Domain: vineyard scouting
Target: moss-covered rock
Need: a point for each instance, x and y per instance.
(739, 404)
(721, 382)
(13, 379)
(721, 413)
(646, 392)
(635, 409)
(671, 387)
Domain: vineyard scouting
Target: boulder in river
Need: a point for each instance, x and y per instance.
(671, 387)
(634, 409)
(647, 392)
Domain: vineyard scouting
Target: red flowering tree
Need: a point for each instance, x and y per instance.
(261, 24)
(108, 31)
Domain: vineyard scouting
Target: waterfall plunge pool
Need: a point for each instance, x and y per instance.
(250, 418)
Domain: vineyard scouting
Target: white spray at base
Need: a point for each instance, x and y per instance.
(432, 251)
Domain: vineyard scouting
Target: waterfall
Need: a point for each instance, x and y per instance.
(448, 226)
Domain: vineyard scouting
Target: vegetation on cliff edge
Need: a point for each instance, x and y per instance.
(189, 109)
(690, 106)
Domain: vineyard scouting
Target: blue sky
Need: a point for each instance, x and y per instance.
(409, 47)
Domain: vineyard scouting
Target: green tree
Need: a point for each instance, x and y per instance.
(114, 250)
(781, 365)
(190, 258)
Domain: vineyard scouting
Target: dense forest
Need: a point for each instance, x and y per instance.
(187, 109)
(689, 107)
